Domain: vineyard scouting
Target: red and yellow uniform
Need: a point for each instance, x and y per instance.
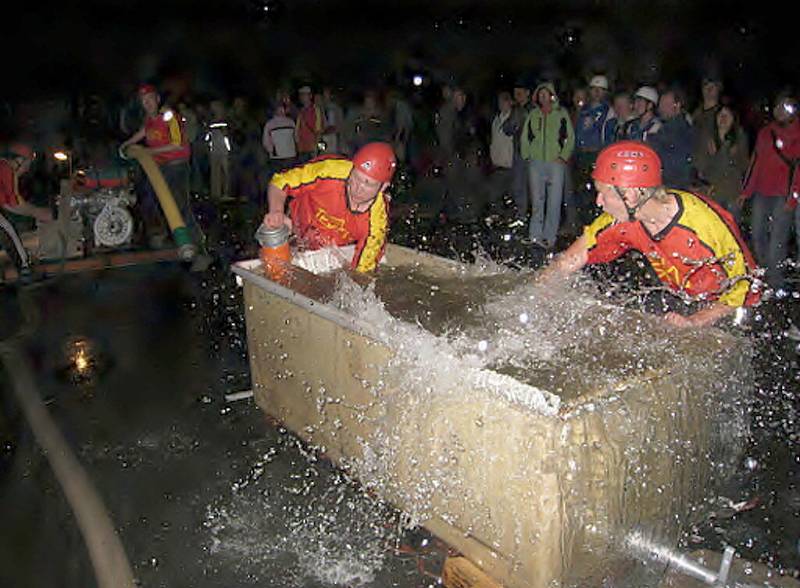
(8, 185)
(700, 253)
(321, 215)
(165, 129)
(309, 128)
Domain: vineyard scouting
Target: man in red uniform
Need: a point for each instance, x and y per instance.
(310, 123)
(164, 136)
(15, 164)
(336, 201)
(692, 243)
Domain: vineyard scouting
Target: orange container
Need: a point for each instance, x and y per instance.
(275, 253)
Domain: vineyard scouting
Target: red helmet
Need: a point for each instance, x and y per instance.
(147, 89)
(628, 164)
(376, 161)
(22, 150)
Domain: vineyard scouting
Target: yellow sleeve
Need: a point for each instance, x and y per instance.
(591, 231)
(175, 135)
(297, 177)
(370, 250)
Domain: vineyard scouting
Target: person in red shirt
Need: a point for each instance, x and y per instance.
(164, 135)
(772, 183)
(310, 124)
(337, 201)
(692, 243)
(15, 164)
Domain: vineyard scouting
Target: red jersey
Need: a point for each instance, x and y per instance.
(321, 215)
(309, 128)
(700, 253)
(772, 171)
(166, 129)
(8, 185)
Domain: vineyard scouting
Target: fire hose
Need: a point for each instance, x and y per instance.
(111, 566)
(186, 249)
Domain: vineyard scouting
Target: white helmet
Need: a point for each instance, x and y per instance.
(648, 93)
(599, 82)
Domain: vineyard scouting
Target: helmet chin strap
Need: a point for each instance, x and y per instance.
(631, 210)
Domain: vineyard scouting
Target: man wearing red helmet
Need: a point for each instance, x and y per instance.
(166, 140)
(692, 243)
(337, 201)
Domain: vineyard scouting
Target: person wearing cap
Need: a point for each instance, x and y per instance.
(164, 136)
(591, 120)
(548, 140)
(15, 164)
(513, 128)
(337, 201)
(692, 243)
(309, 126)
(590, 125)
(646, 123)
(704, 116)
(773, 184)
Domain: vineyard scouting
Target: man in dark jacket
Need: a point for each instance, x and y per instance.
(513, 128)
(675, 141)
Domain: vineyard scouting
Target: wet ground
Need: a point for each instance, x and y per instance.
(206, 493)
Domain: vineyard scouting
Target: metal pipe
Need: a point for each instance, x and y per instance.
(646, 549)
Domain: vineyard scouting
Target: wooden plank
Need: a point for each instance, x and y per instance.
(98, 262)
(459, 572)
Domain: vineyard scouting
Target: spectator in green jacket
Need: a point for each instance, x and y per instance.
(547, 142)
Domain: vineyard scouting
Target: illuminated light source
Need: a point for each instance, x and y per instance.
(417, 80)
(168, 116)
(63, 155)
(81, 361)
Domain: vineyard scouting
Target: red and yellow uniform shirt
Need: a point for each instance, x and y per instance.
(321, 215)
(700, 253)
(8, 185)
(165, 129)
(309, 128)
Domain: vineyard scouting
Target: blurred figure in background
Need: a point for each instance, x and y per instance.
(617, 122)
(16, 163)
(548, 141)
(646, 123)
(501, 148)
(402, 119)
(513, 127)
(366, 123)
(772, 185)
(219, 148)
(309, 125)
(723, 162)
(675, 141)
(334, 120)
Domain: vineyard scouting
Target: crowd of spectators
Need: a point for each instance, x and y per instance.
(529, 152)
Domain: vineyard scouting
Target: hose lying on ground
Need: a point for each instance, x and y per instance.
(111, 565)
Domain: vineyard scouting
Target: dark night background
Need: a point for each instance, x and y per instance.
(236, 46)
